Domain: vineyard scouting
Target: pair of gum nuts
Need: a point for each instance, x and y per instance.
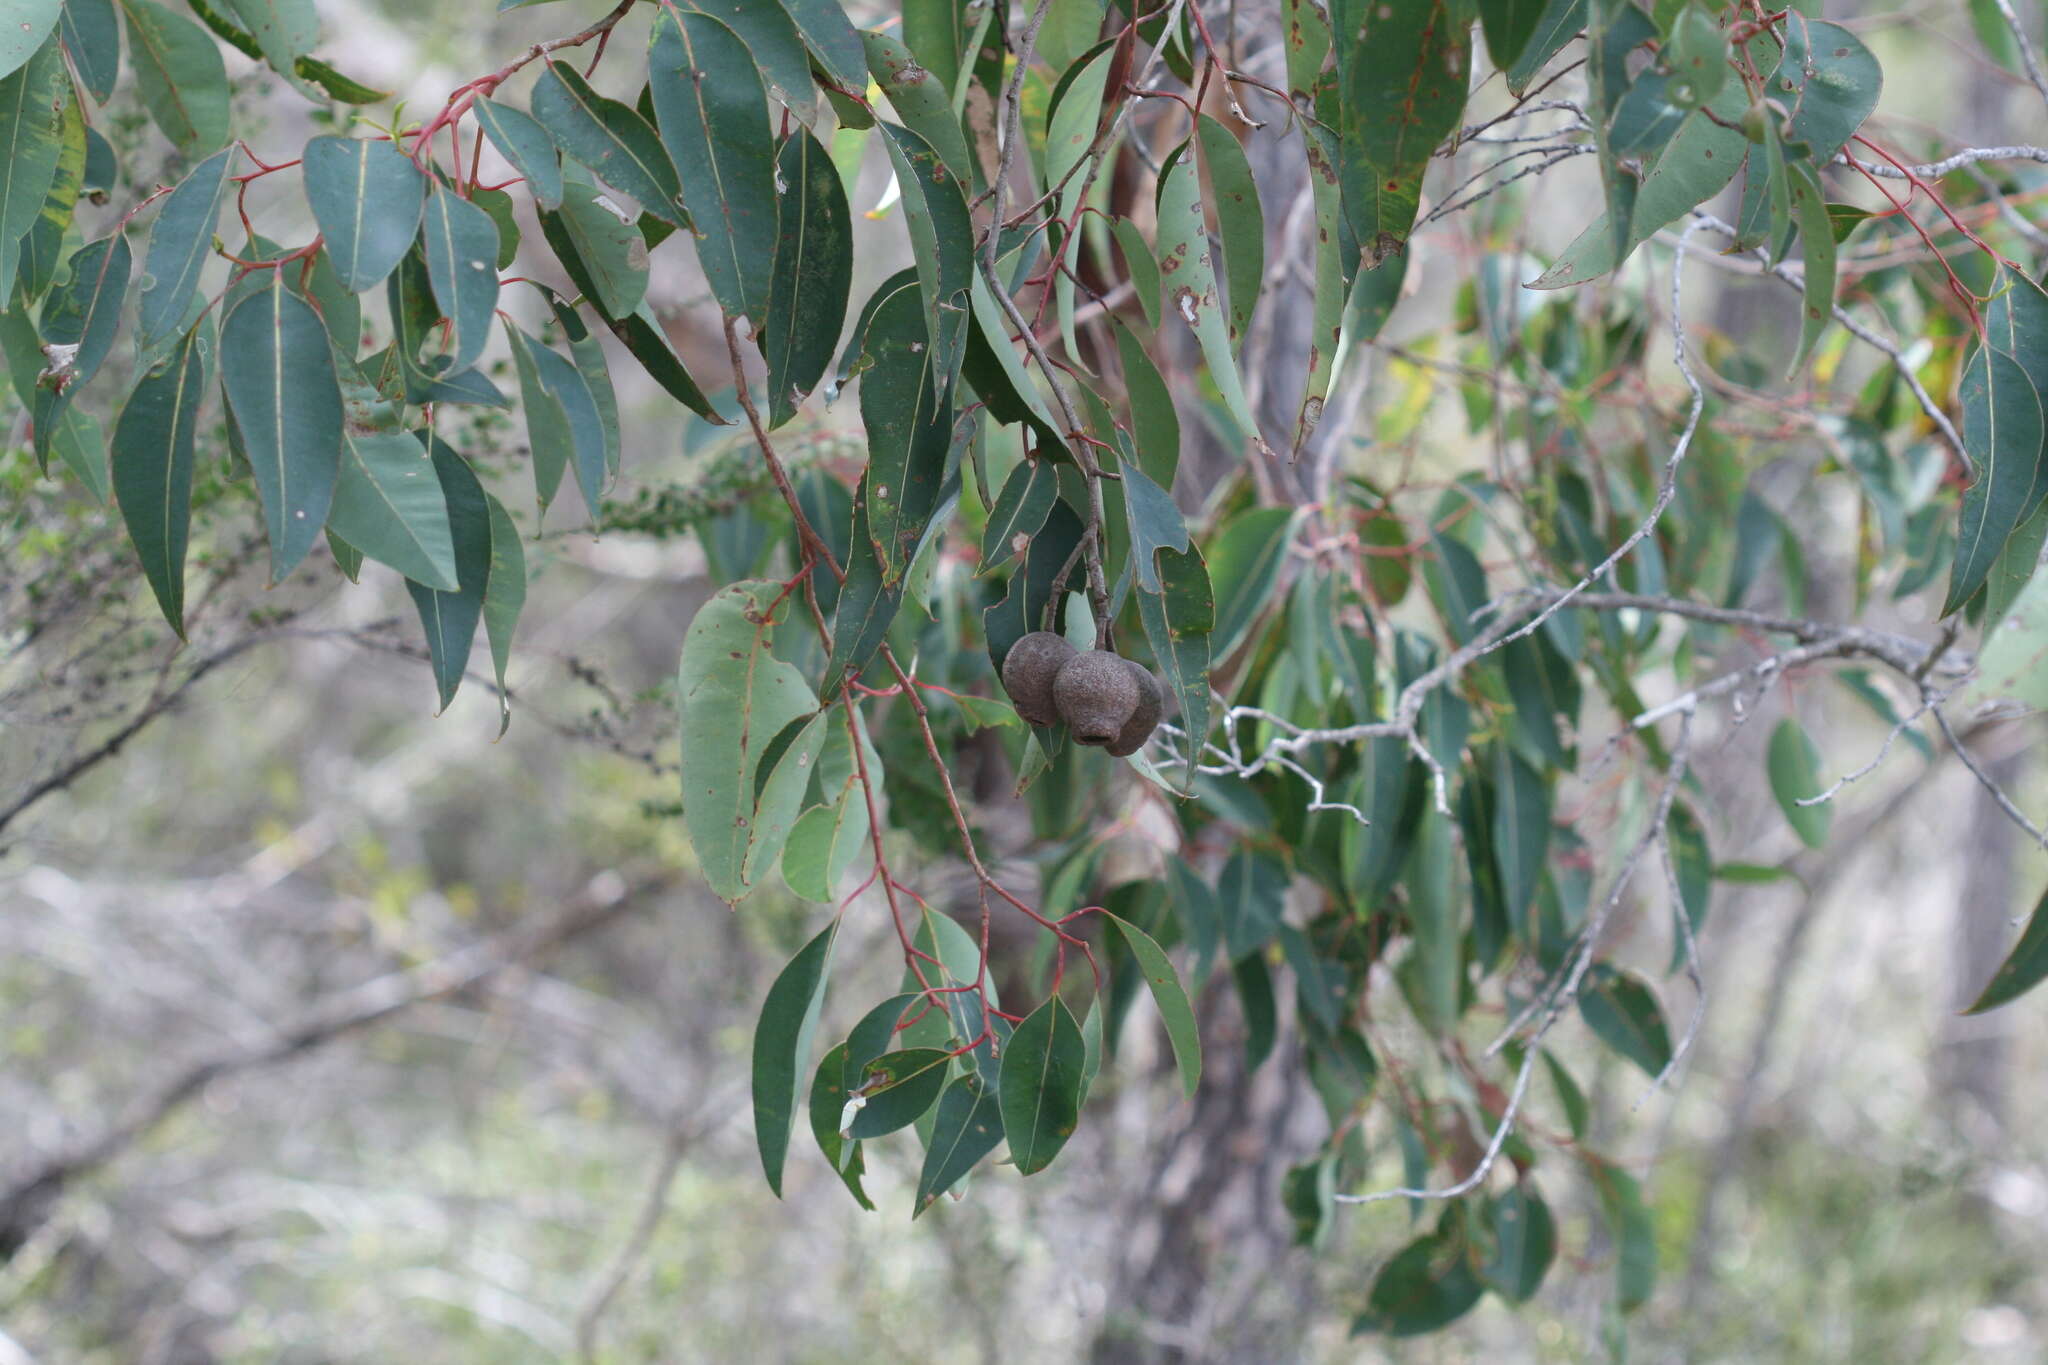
(1106, 700)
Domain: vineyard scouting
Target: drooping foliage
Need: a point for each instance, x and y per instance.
(1428, 736)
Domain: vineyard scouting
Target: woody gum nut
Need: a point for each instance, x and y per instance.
(1095, 695)
(1028, 672)
(1144, 720)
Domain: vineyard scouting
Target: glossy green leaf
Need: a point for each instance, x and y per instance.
(969, 1125)
(504, 598)
(367, 197)
(832, 40)
(1520, 1240)
(1509, 25)
(1557, 24)
(27, 25)
(1240, 222)
(92, 38)
(586, 352)
(585, 419)
(1404, 76)
(942, 239)
(1521, 829)
(709, 103)
(42, 248)
(1634, 1236)
(647, 339)
(1828, 80)
(1178, 622)
(609, 138)
(1428, 1285)
(2016, 322)
(1816, 236)
(1623, 1013)
(82, 312)
(1021, 507)
(604, 254)
(899, 1088)
(178, 247)
(735, 696)
(824, 843)
(277, 369)
(782, 1045)
(1245, 563)
(1794, 766)
(450, 618)
(524, 143)
(1041, 1086)
(284, 30)
(1171, 998)
(828, 1099)
(2003, 435)
(920, 100)
(2024, 966)
(178, 70)
(31, 142)
(388, 504)
(905, 405)
(1190, 278)
(462, 255)
(152, 468)
(813, 270)
(548, 435)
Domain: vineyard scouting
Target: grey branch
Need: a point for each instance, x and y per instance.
(26, 1199)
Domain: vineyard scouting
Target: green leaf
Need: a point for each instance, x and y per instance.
(1623, 1013)
(899, 1088)
(547, 422)
(152, 468)
(1142, 266)
(1794, 766)
(2014, 663)
(813, 270)
(906, 406)
(504, 598)
(83, 312)
(1245, 565)
(832, 40)
(178, 247)
(1177, 622)
(367, 197)
(587, 353)
(92, 38)
(1816, 235)
(1521, 829)
(462, 254)
(1628, 1222)
(1041, 1085)
(778, 49)
(708, 101)
(1021, 508)
(942, 238)
(284, 30)
(1190, 278)
(585, 419)
(1239, 221)
(31, 142)
(1171, 998)
(183, 81)
(388, 504)
(828, 1098)
(609, 138)
(527, 146)
(2023, 967)
(1558, 23)
(921, 101)
(969, 1125)
(604, 254)
(782, 1045)
(781, 782)
(2003, 436)
(1404, 75)
(1521, 1241)
(27, 25)
(2016, 322)
(824, 843)
(1828, 80)
(450, 618)
(644, 336)
(735, 697)
(1428, 1285)
(277, 369)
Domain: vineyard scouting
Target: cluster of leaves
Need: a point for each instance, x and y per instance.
(1395, 755)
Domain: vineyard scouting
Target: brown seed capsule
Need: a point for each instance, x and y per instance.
(1028, 672)
(1144, 720)
(1095, 695)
